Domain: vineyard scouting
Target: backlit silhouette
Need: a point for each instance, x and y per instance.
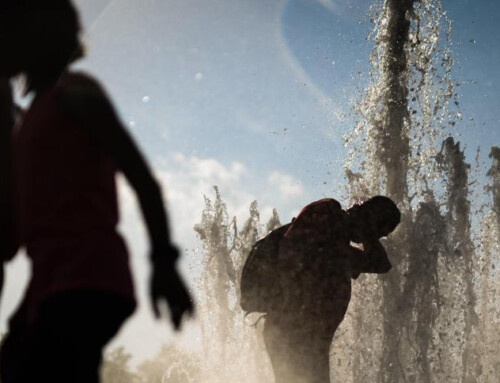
(306, 268)
(66, 152)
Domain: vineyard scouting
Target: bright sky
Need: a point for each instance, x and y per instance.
(249, 96)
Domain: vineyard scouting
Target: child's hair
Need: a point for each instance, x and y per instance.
(39, 38)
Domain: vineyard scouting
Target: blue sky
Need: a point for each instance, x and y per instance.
(266, 66)
(249, 95)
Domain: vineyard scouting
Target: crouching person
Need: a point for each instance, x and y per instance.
(310, 277)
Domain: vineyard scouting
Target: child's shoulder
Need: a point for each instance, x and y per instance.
(79, 93)
(79, 83)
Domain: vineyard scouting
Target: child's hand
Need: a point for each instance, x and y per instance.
(166, 284)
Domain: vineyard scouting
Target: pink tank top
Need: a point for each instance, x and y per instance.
(66, 206)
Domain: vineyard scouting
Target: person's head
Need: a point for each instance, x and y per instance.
(373, 219)
(39, 39)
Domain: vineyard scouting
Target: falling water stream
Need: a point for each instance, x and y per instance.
(436, 316)
(430, 323)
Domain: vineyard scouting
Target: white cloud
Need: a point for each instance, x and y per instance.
(209, 169)
(185, 180)
(287, 186)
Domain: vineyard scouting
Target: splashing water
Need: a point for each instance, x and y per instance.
(233, 347)
(435, 317)
(430, 325)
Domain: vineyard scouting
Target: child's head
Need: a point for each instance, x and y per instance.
(38, 38)
(373, 219)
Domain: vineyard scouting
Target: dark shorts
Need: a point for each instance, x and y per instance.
(65, 342)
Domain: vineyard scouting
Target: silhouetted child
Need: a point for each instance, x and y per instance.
(316, 264)
(66, 152)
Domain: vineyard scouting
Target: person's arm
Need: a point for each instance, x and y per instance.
(87, 105)
(372, 259)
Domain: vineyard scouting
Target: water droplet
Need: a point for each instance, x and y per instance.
(198, 76)
(146, 99)
(333, 62)
(132, 124)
